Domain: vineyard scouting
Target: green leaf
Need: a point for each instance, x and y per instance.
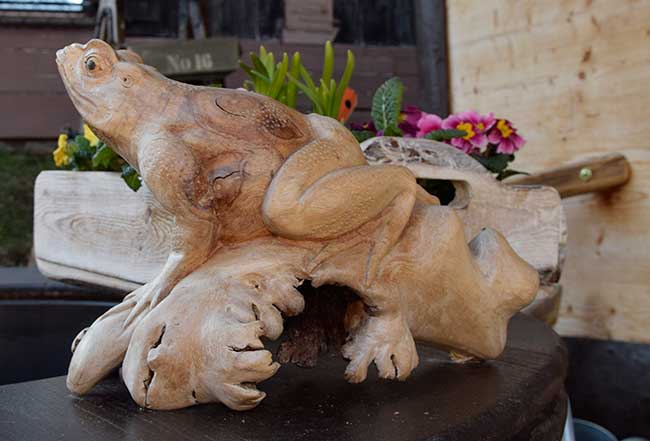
(306, 77)
(131, 177)
(393, 131)
(362, 135)
(279, 77)
(325, 97)
(328, 62)
(82, 143)
(291, 90)
(509, 172)
(496, 163)
(312, 94)
(261, 76)
(445, 134)
(258, 65)
(386, 104)
(103, 157)
(269, 62)
(245, 67)
(333, 109)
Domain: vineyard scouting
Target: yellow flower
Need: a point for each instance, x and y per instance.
(61, 157)
(90, 136)
(63, 141)
(504, 128)
(467, 127)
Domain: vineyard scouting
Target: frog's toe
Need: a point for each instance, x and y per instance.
(385, 339)
(99, 349)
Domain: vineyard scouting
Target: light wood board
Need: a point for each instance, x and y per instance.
(573, 76)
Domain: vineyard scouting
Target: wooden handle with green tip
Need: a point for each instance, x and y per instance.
(597, 173)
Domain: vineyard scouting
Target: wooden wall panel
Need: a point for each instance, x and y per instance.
(33, 101)
(573, 75)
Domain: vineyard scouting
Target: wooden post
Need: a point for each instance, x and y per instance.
(431, 39)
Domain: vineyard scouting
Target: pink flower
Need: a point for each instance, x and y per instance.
(427, 123)
(475, 125)
(505, 137)
(409, 121)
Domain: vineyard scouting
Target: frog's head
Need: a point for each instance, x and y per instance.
(102, 84)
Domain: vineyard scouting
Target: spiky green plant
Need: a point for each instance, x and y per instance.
(325, 96)
(269, 78)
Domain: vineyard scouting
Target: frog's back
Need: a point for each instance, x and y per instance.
(249, 118)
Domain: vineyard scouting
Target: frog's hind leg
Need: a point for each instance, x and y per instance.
(300, 206)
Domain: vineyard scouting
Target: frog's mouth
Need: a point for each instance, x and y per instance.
(81, 102)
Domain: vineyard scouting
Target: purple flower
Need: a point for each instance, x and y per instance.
(475, 125)
(427, 123)
(367, 126)
(409, 121)
(505, 137)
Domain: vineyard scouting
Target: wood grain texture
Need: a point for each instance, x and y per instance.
(90, 227)
(570, 74)
(606, 279)
(604, 172)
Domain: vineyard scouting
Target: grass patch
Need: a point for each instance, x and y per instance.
(17, 174)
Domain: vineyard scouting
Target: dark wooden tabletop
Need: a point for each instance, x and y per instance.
(520, 396)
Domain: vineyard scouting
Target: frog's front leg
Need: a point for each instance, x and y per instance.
(327, 189)
(177, 181)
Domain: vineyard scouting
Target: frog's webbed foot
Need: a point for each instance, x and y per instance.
(386, 339)
(100, 348)
(219, 330)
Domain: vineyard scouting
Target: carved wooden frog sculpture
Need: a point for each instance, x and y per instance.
(193, 145)
(263, 196)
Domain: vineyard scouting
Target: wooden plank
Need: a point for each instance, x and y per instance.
(309, 15)
(431, 32)
(174, 57)
(598, 173)
(571, 74)
(92, 228)
(606, 279)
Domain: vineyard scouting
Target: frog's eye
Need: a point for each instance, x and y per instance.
(91, 64)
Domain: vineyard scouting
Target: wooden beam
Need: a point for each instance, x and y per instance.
(598, 173)
(431, 37)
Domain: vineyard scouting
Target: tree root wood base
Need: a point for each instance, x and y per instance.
(517, 397)
(202, 343)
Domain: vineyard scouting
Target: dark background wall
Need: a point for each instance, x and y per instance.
(360, 22)
(33, 102)
(34, 105)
